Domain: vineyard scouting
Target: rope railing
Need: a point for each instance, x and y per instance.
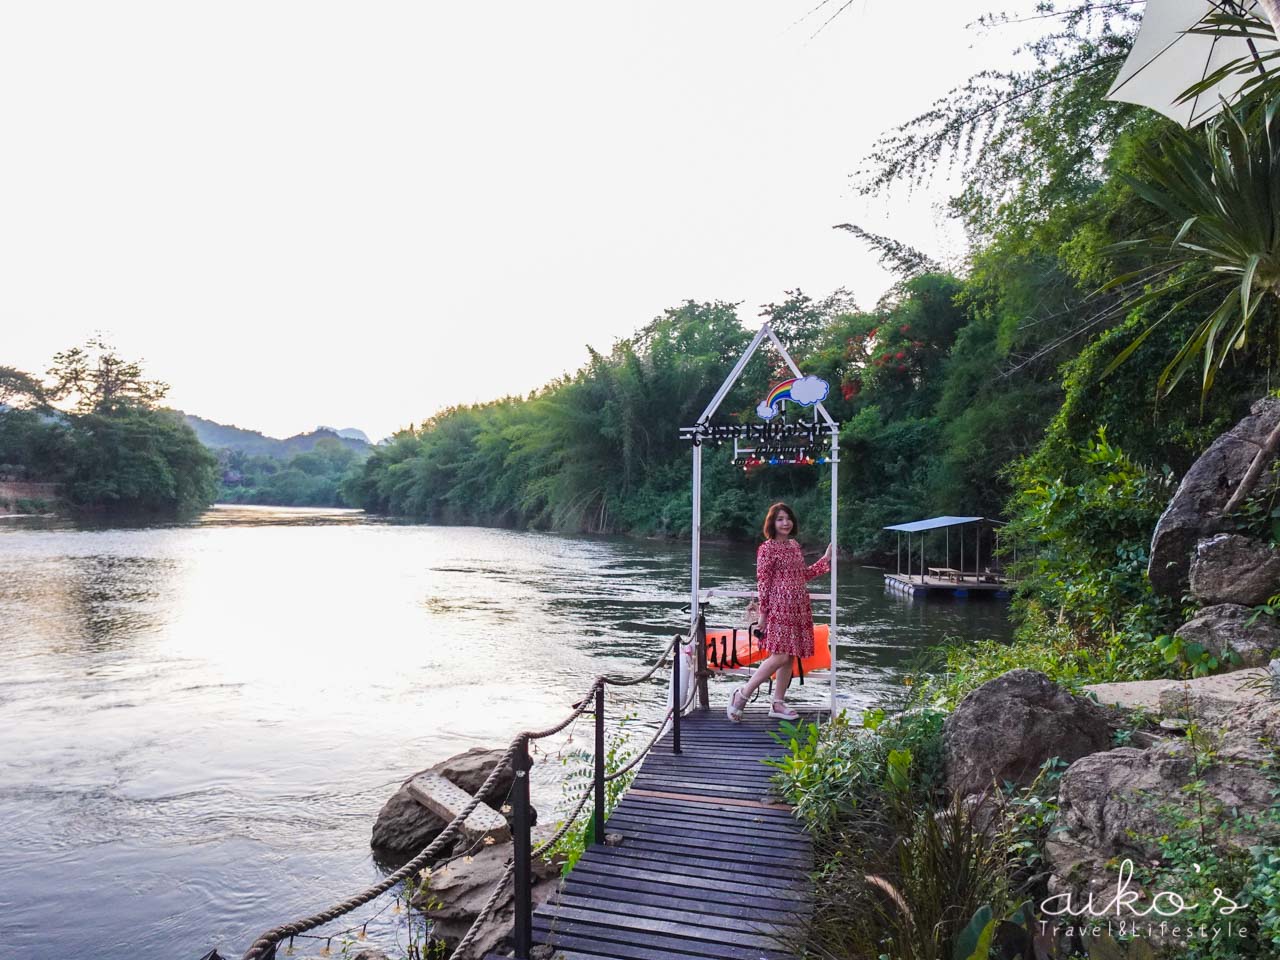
(517, 759)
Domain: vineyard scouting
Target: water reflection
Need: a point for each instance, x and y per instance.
(198, 721)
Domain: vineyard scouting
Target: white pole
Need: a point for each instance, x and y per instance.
(832, 640)
(696, 534)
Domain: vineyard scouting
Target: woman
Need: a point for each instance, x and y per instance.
(786, 616)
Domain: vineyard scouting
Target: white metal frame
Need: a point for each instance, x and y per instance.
(696, 595)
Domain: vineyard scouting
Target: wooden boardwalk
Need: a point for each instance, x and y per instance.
(709, 864)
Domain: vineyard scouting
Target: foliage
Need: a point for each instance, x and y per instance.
(578, 779)
(1084, 534)
(897, 878)
(100, 380)
(1025, 138)
(1217, 240)
(311, 479)
(1195, 659)
(114, 450)
(136, 459)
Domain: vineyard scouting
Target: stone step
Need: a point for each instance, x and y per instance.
(446, 801)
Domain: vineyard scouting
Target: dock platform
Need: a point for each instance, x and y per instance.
(701, 860)
(917, 586)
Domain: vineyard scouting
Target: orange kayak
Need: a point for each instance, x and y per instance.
(727, 649)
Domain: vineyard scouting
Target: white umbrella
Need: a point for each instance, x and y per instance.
(1166, 60)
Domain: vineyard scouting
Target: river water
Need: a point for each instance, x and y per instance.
(199, 722)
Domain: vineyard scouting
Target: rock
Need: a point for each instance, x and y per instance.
(469, 771)
(1113, 805)
(458, 891)
(1225, 626)
(1201, 698)
(404, 826)
(1195, 510)
(1130, 694)
(1212, 698)
(1009, 726)
(1229, 568)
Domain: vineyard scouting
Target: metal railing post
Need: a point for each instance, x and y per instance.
(522, 843)
(598, 832)
(700, 642)
(677, 697)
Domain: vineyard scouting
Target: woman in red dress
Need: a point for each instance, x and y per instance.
(786, 616)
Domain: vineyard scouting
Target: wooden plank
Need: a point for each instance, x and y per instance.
(728, 801)
(674, 885)
(785, 877)
(723, 835)
(645, 945)
(645, 871)
(715, 849)
(707, 805)
(716, 903)
(446, 801)
(711, 923)
(670, 924)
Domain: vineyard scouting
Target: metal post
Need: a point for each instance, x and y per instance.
(679, 700)
(522, 850)
(700, 643)
(832, 638)
(599, 771)
(695, 535)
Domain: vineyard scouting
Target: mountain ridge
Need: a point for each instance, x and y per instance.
(220, 436)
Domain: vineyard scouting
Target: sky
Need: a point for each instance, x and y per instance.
(302, 213)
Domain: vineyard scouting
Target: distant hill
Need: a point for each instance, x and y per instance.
(221, 436)
(351, 433)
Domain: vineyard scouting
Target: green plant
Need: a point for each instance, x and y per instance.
(825, 772)
(1194, 659)
(578, 778)
(1218, 191)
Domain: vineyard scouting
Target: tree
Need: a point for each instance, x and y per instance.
(100, 381)
(18, 389)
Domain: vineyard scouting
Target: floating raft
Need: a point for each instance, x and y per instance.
(914, 586)
(708, 863)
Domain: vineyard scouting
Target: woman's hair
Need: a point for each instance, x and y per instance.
(772, 515)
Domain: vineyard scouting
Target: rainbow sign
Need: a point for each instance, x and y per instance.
(803, 390)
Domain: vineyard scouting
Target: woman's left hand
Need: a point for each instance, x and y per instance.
(827, 555)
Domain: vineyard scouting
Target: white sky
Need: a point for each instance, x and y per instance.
(358, 213)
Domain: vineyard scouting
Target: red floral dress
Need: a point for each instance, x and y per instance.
(786, 616)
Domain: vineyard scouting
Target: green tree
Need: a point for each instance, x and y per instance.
(100, 381)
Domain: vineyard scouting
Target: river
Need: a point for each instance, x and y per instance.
(199, 721)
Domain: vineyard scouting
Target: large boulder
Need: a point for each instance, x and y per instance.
(1225, 626)
(1195, 511)
(1113, 805)
(404, 826)
(1008, 727)
(455, 894)
(1229, 568)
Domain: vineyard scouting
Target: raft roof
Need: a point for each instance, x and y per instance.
(935, 523)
